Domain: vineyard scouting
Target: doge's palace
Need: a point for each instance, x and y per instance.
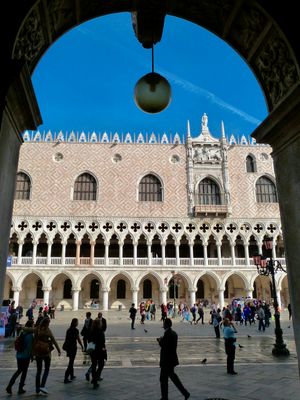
(121, 218)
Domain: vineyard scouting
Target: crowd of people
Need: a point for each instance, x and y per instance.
(36, 341)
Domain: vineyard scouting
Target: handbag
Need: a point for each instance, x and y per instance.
(90, 347)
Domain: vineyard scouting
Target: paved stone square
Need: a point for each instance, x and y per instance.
(132, 370)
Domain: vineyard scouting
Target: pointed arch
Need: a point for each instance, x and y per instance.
(85, 187)
(150, 188)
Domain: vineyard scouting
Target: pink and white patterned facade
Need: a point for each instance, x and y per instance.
(93, 245)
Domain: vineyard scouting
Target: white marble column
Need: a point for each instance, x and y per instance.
(135, 245)
(278, 298)
(205, 253)
(149, 253)
(232, 248)
(163, 253)
(249, 293)
(78, 244)
(134, 297)
(192, 296)
(92, 252)
(192, 254)
(34, 253)
(20, 249)
(259, 245)
(221, 298)
(106, 253)
(177, 254)
(121, 252)
(16, 291)
(163, 296)
(247, 261)
(75, 295)
(219, 245)
(49, 253)
(46, 295)
(105, 293)
(63, 253)
(274, 251)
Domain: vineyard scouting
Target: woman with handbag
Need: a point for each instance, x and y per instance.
(42, 347)
(99, 354)
(70, 346)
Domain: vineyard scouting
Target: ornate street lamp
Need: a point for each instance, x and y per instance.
(270, 267)
(175, 286)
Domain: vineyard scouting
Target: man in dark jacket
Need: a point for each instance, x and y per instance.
(169, 360)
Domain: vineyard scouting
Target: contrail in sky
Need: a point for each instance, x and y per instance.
(176, 80)
(190, 87)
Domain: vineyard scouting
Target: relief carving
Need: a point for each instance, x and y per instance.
(61, 15)
(207, 155)
(247, 27)
(31, 39)
(276, 68)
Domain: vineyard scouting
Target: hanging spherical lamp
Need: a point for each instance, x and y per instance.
(152, 92)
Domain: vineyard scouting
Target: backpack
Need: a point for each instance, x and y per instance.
(19, 343)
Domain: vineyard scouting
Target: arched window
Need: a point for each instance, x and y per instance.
(266, 191)
(150, 189)
(200, 289)
(250, 164)
(94, 289)
(121, 289)
(173, 289)
(209, 192)
(147, 289)
(67, 289)
(23, 186)
(85, 187)
(39, 290)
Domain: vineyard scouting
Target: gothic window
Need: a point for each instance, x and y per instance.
(200, 289)
(209, 192)
(250, 164)
(67, 289)
(94, 289)
(121, 289)
(23, 186)
(39, 290)
(147, 289)
(85, 187)
(150, 189)
(266, 191)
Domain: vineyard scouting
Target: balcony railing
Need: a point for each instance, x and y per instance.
(140, 261)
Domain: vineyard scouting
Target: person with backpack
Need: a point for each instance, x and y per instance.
(23, 346)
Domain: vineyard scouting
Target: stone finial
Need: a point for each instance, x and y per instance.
(204, 123)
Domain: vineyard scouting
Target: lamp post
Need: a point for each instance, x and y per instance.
(176, 284)
(268, 267)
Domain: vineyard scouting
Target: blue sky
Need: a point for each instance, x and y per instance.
(85, 81)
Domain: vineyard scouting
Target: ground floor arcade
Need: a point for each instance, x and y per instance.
(110, 288)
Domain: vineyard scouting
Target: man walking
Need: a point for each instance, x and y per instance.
(169, 360)
(132, 315)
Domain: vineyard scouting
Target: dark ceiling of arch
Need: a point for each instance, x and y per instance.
(242, 24)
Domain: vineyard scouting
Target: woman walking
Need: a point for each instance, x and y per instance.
(23, 355)
(70, 346)
(229, 337)
(99, 354)
(42, 347)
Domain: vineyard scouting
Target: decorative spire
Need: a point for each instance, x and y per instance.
(223, 130)
(188, 129)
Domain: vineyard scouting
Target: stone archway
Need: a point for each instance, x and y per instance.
(269, 47)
